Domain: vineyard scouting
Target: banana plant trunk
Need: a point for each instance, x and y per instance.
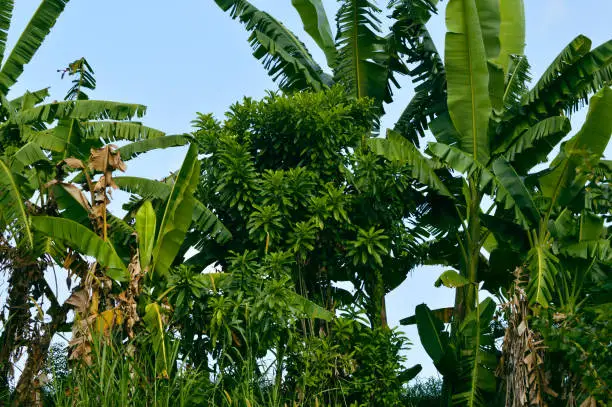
(18, 317)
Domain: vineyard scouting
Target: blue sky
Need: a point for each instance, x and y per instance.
(186, 56)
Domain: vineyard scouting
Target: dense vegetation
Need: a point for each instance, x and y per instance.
(256, 274)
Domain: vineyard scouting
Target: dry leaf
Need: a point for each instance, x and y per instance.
(80, 301)
(74, 163)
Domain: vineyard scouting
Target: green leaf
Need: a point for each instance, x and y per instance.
(317, 26)
(203, 218)
(6, 13)
(154, 322)
(533, 145)
(145, 228)
(29, 99)
(80, 110)
(30, 40)
(451, 279)
(85, 241)
(13, 203)
(309, 308)
(514, 185)
(116, 131)
(177, 214)
(410, 373)
(362, 60)
(430, 330)
(284, 56)
(568, 56)
(397, 148)
(489, 19)
(132, 150)
(581, 152)
(30, 154)
(468, 78)
(542, 264)
(443, 314)
(511, 32)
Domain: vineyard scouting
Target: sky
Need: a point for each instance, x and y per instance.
(187, 56)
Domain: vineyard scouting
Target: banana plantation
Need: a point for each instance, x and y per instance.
(257, 273)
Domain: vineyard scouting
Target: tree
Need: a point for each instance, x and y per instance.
(494, 131)
(362, 60)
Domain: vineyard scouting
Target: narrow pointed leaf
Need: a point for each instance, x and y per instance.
(12, 203)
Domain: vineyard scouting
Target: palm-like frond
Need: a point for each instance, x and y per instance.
(81, 110)
(397, 148)
(532, 146)
(575, 50)
(6, 13)
(516, 81)
(30, 40)
(111, 132)
(362, 57)
(284, 56)
(580, 75)
(132, 150)
(416, 45)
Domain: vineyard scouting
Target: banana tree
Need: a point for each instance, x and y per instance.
(491, 119)
(361, 58)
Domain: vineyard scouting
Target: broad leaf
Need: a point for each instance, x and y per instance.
(451, 279)
(513, 184)
(308, 307)
(542, 264)
(430, 331)
(145, 228)
(84, 241)
(177, 214)
(285, 57)
(511, 32)
(443, 314)
(397, 148)
(362, 58)
(30, 154)
(30, 40)
(468, 77)
(80, 110)
(317, 26)
(114, 131)
(581, 152)
(132, 150)
(13, 204)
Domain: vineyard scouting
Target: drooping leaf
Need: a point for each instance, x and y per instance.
(81, 110)
(468, 77)
(542, 265)
(533, 145)
(575, 50)
(111, 132)
(30, 40)
(443, 314)
(512, 31)
(516, 82)
(177, 214)
(30, 154)
(308, 307)
(132, 150)
(507, 176)
(317, 26)
(145, 228)
(397, 148)
(13, 203)
(284, 57)
(6, 13)
(410, 373)
(451, 279)
(83, 240)
(29, 99)
(581, 152)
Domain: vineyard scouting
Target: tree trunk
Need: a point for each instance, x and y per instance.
(19, 314)
(27, 392)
